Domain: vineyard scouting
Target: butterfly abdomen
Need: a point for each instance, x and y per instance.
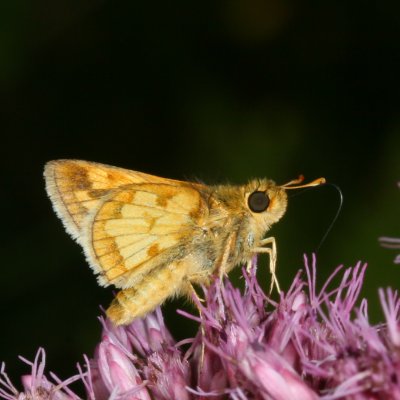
(147, 294)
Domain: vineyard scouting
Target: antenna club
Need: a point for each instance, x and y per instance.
(294, 183)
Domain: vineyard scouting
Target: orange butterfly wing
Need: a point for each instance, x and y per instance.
(127, 222)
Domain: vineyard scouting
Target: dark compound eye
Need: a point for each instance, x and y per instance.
(258, 202)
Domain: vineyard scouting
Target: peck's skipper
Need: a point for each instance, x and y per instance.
(154, 237)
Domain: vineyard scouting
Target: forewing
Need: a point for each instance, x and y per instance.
(78, 188)
(141, 227)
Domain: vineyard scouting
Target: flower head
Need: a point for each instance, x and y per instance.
(36, 385)
(311, 344)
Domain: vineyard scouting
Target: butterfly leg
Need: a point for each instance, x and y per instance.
(152, 290)
(221, 267)
(249, 265)
(271, 251)
(202, 330)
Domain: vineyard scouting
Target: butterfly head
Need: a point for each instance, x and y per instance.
(265, 202)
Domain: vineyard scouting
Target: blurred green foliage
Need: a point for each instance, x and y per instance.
(220, 91)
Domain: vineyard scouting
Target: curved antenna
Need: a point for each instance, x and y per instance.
(334, 218)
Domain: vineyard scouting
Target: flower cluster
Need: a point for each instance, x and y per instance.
(311, 344)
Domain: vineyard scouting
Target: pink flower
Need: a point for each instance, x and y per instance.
(311, 344)
(36, 385)
(137, 361)
(118, 372)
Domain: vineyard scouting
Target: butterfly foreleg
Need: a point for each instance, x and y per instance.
(271, 251)
(223, 266)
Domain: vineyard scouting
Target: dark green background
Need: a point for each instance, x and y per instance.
(220, 91)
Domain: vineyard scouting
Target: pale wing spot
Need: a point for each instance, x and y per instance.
(172, 219)
(141, 255)
(143, 198)
(185, 200)
(128, 246)
(135, 211)
(170, 223)
(135, 259)
(115, 226)
(168, 241)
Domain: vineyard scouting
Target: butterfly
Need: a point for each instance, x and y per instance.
(153, 237)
